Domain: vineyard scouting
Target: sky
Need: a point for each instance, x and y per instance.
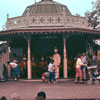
(16, 7)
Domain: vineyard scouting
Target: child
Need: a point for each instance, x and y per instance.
(45, 75)
(51, 72)
(78, 69)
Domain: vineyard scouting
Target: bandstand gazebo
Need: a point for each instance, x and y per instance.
(50, 20)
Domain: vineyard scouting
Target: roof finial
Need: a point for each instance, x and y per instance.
(7, 16)
(46, 0)
(35, 1)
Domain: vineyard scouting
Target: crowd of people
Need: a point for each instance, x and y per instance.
(83, 63)
(16, 68)
(41, 95)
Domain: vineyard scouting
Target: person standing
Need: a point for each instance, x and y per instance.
(15, 69)
(57, 61)
(94, 60)
(83, 68)
(51, 72)
(1, 71)
(78, 69)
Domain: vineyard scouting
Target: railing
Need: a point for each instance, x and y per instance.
(77, 22)
(44, 20)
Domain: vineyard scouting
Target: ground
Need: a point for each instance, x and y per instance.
(63, 89)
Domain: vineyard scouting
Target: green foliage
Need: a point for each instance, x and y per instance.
(94, 16)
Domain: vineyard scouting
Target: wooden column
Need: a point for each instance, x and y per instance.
(65, 60)
(29, 60)
(8, 66)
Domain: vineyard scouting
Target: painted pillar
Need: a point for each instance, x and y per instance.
(8, 66)
(29, 60)
(65, 60)
(8, 57)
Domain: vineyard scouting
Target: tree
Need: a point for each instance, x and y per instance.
(94, 15)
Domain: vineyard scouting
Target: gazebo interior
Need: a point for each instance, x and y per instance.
(42, 47)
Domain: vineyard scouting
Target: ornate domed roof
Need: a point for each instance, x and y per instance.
(46, 7)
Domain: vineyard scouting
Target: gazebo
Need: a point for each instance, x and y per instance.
(49, 21)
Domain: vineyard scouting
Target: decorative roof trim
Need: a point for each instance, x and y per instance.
(55, 30)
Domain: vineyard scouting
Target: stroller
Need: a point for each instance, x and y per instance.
(93, 73)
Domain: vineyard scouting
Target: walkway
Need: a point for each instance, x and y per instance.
(63, 89)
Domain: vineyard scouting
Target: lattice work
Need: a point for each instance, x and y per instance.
(46, 20)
